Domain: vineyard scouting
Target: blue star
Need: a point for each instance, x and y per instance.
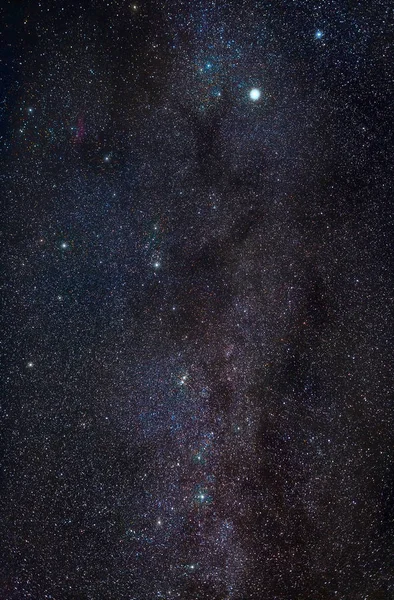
(318, 34)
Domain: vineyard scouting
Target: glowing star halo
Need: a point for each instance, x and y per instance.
(254, 94)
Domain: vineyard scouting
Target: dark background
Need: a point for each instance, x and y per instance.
(197, 300)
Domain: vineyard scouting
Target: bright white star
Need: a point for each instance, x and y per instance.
(254, 94)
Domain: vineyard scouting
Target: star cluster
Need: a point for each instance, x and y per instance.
(198, 374)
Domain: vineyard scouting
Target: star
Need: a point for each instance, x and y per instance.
(183, 380)
(318, 34)
(254, 94)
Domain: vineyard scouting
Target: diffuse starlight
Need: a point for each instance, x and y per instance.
(198, 358)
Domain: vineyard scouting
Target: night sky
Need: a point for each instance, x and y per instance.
(198, 294)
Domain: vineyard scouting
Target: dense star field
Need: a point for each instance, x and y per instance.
(197, 399)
